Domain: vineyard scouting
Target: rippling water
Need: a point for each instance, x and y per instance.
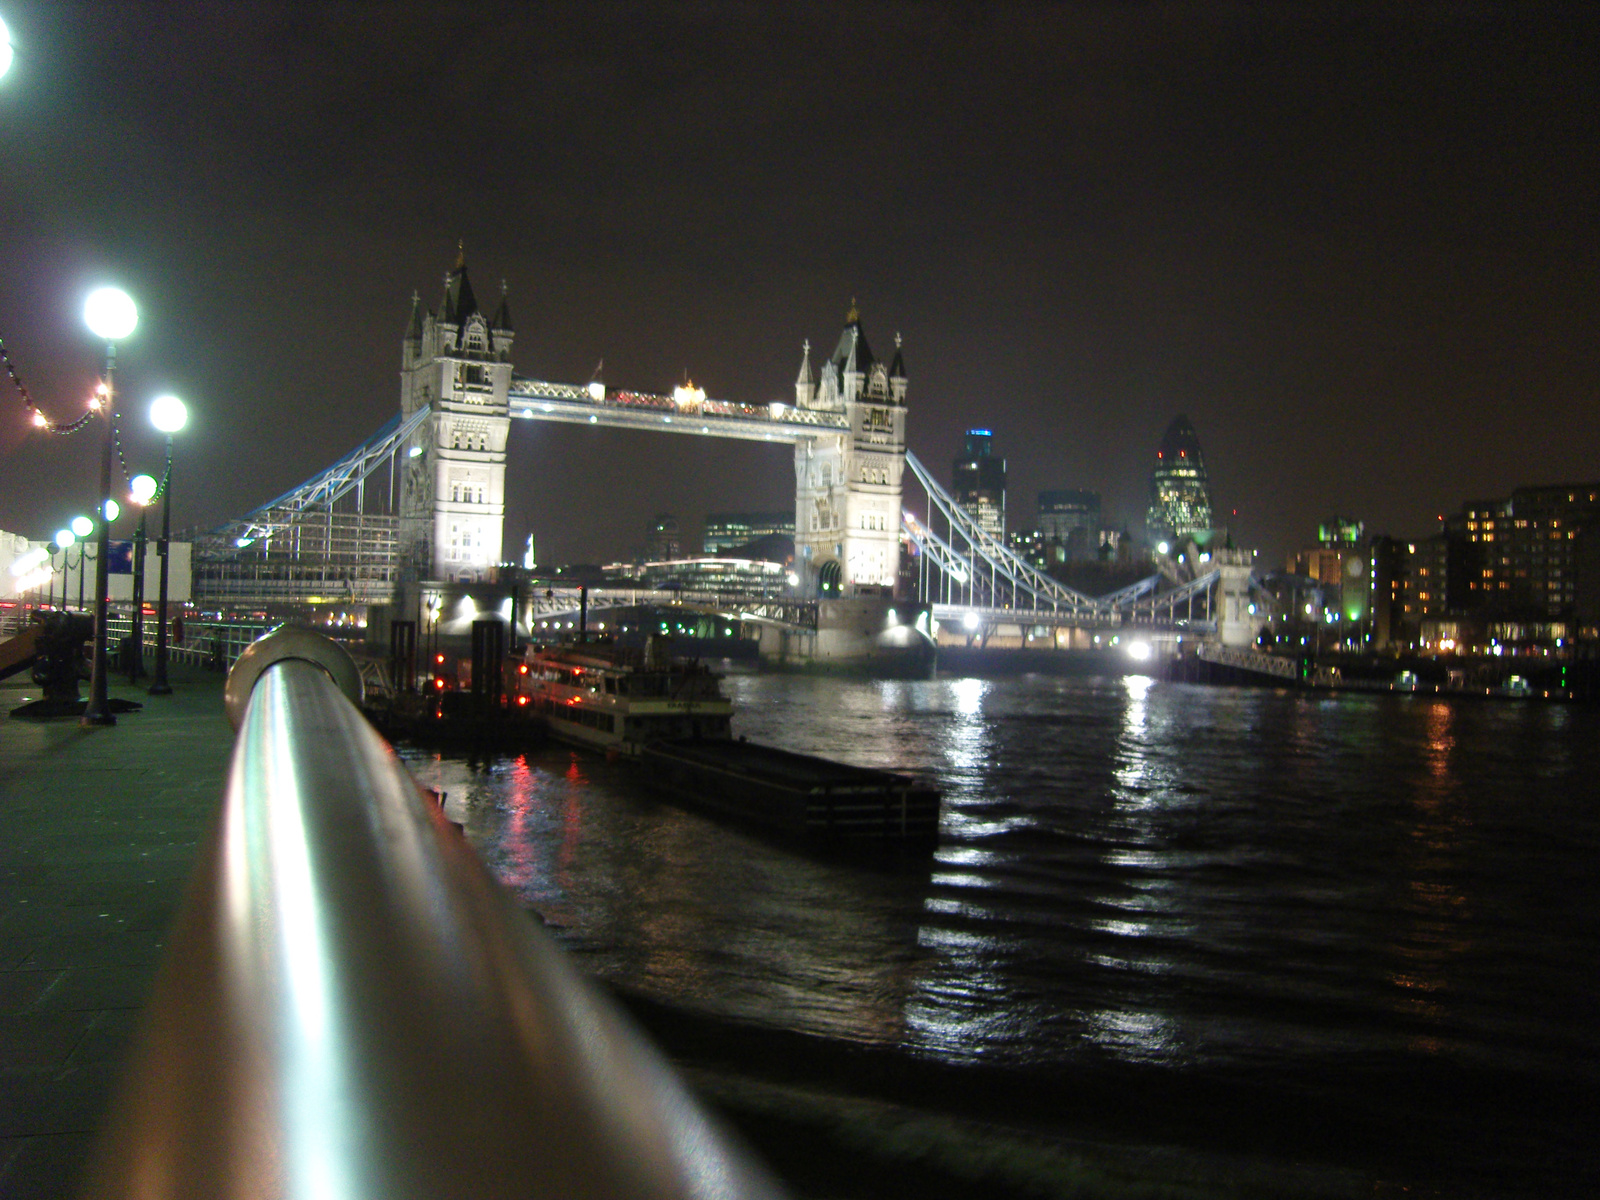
(1366, 925)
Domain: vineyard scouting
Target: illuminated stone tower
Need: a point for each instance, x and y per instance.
(452, 499)
(847, 485)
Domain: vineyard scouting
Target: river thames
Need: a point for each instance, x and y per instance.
(1351, 935)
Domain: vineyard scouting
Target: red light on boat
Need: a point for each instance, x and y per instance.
(438, 658)
(522, 699)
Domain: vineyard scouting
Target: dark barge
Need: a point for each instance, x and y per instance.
(796, 795)
(456, 721)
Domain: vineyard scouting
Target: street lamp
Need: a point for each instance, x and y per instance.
(142, 488)
(169, 415)
(109, 313)
(82, 527)
(63, 543)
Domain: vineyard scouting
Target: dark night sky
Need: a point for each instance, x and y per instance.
(1356, 244)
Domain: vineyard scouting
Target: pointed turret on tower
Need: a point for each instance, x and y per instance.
(805, 385)
(897, 374)
(501, 321)
(853, 358)
(459, 301)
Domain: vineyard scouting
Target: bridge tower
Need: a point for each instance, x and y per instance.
(848, 485)
(452, 500)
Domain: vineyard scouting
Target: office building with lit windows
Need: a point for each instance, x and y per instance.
(663, 541)
(725, 532)
(1069, 524)
(979, 481)
(1180, 497)
(1520, 557)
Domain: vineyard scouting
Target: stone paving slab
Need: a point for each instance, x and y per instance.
(99, 829)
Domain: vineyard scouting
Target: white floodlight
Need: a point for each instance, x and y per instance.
(143, 488)
(109, 313)
(168, 414)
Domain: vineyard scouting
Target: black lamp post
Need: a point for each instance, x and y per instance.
(80, 528)
(109, 314)
(143, 489)
(168, 414)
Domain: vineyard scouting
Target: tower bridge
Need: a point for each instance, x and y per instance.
(437, 475)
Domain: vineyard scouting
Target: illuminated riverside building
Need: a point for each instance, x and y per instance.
(1339, 552)
(1520, 572)
(730, 531)
(1180, 497)
(980, 483)
(1521, 557)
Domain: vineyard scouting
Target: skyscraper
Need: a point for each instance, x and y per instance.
(1180, 499)
(1069, 520)
(980, 483)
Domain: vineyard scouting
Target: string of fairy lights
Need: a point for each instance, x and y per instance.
(96, 404)
(161, 484)
(36, 413)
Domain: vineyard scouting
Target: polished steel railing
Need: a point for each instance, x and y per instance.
(351, 1006)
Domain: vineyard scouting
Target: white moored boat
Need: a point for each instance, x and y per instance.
(613, 698)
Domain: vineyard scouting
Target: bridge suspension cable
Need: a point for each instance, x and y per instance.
(995, 575)
(322, 489)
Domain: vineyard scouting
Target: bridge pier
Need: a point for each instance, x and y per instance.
(869, 635)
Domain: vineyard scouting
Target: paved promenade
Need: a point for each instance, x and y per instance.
(98, 831)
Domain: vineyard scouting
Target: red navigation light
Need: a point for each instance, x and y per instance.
(438, 658)
(439, 683)
(523, 669)
(522, 699)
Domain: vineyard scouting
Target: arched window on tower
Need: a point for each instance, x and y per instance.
(830, 579)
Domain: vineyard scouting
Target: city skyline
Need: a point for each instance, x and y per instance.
(1355, 249)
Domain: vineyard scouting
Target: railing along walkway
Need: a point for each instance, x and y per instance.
(351, 1006)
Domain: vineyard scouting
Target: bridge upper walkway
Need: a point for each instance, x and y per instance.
(687, 411)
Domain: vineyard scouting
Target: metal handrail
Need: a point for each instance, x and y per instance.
(351, 1006)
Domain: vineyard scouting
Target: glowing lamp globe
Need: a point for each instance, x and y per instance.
(65, 538)
(142, 488)
(82, 526)
(113, 510)
(109, 313)
(6, 53)
(169, 414)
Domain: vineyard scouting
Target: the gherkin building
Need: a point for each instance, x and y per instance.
(1180, 496)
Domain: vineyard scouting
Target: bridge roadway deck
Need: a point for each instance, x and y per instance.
(99, 829)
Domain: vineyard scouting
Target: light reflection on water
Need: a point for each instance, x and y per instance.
(1129, 870)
